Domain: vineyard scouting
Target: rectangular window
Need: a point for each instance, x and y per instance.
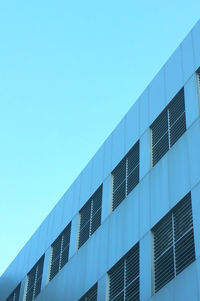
(198, 84)
(91, 295)
(125, 176)
(34, 280)
(15, 294)
(90, 216)
(60, 251)
(173, 243)
(168, 127)
(124, 282)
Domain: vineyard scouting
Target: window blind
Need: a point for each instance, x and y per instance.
(15, 294)
(173, 243)
(60, 251)
(91, 295)
(125, 176)
(90, 217)
(34, 280)
(168, 127)
(124, 277)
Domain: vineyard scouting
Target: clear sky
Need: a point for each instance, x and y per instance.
(69, 71)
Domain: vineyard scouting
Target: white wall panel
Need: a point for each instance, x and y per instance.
(187, 57)
(173, 74)
(118, 143)
(132, 127)
(157, 97)
(191, 100)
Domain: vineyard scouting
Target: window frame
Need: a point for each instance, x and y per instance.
(37, 279)
(89, 292)
(94, 223)
(198, 87)
(123, 264)
(173, 242)
(135, 149)
(60, 239)
(178, 99)
(12, 296)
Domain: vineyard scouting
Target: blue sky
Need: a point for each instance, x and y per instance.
(69, 71)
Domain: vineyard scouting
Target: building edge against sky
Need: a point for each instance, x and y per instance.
(164, 190)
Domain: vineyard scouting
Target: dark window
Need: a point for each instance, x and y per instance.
(124, 277)
(15, 294)
(173, 243)
(125, 176)
(90, 216)
(60, 251)
(34, 280)
(91, 295)
(168, 127)
(198, 82)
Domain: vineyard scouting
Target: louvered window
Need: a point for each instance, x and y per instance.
(168, 127)
(91, 295)
(15, 294)
(125, 176)
(90, 216)
(60, 251)
(198, 82)
(173, 243)
(34, 280)
(124, 282)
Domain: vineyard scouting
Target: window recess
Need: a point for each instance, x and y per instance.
(91, 295)
(34, 279)
(168, 127)
(124, 281)
(90, 217)
(173, 241)
(60, 251)
(125, 176)
(15, 294)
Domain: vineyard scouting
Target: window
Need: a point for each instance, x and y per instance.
(90, 216)
(60, 251)
(15, 294)
(124, 277)
(198, 82)
(91, 295)
(125, 176)
(168, 127)
(173, 243)
(34, 280)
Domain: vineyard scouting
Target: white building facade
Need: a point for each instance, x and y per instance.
(128, 228)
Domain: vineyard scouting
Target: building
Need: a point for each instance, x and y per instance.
(129, 226)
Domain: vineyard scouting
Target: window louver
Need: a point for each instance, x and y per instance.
(60, 251)
(173, 243)
(90, 216)
(34, 280)
(124, 277)
(15, 294)
(168, 127)
(125, 176)
(91, 295)
(198, 82)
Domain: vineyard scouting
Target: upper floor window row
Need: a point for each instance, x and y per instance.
(14, 296)
(90, 217)
(168, 127)
(60, 251)
(125, 176)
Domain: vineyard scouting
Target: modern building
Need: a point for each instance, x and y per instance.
(129, 226)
